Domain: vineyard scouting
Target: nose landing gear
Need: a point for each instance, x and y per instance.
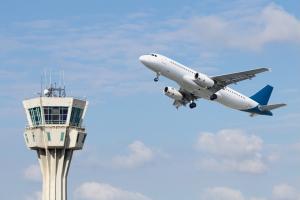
(157, 77)
(193, 105)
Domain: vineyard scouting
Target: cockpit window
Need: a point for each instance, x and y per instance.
(153, 55)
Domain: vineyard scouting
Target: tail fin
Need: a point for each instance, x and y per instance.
(262, 97)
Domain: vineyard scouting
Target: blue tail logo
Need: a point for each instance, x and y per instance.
(262, 97)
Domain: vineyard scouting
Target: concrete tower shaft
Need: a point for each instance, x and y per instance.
(55, 130)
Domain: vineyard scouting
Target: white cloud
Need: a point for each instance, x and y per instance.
(279, 25)
(285, 192)
(231, 150)
(257, 198)
(222, 193)
(279, 192)
(273, 157)
(254, 166)
(34, 196)
(243, 30)
(33, 173)
(102, 191)
(230, 143)
(139, 155)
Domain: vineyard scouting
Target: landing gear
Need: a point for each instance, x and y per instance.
(157, 77)
(193, 105)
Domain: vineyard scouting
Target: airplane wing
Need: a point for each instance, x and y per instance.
(187, 98)
(227, 79)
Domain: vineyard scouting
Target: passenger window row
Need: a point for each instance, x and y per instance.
(235, 93)
(186, 69)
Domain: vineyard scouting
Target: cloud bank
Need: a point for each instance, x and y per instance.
(279, 192)
(102, 191)
(139, 154)
(231, 150)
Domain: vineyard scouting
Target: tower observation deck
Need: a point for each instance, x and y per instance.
(54, 131)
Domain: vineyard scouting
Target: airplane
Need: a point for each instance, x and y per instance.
(195, 85)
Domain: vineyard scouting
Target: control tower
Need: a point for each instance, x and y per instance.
(54, 131)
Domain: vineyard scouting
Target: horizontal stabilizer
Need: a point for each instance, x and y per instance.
(272, 106)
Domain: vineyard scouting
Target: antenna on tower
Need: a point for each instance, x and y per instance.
(50, 83)
(63, 73)
(53, 90)
(45, 78)
(63, 83)
(41, 89)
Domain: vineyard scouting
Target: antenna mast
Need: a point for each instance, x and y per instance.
(54, 90)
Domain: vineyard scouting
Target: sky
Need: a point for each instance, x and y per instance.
(139, 147)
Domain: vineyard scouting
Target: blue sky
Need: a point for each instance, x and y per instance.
(139, 147)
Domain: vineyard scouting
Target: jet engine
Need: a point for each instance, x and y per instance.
(204, 81)
(173, 93)
(215, 96)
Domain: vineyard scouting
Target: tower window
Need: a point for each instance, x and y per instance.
(33, 137)
(62, 136)
(26, 138)
(83, 139)
(76, 115)
(55, 114)
(49, 136)
(77, 139)
(35, 114)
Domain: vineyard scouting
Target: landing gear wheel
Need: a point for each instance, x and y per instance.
(193, 105)
(157, 77)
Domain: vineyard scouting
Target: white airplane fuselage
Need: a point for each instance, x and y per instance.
(184, 77)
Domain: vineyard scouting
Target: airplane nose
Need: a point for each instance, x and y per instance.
(142, 59)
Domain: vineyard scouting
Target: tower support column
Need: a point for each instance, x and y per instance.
(55, 165)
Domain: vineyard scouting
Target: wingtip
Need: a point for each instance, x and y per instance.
(267, 69)
(282, 104)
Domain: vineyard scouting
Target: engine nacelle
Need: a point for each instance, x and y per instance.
(173, 93)
(204, 81)
(215, 96)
